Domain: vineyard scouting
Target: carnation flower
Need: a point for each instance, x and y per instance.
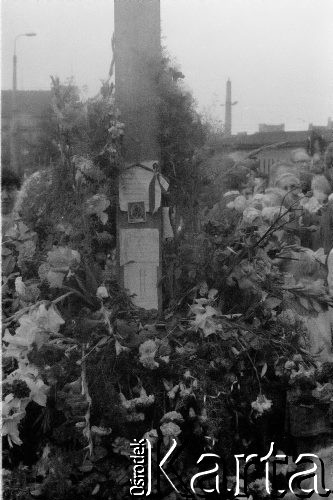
(60, 261)
(63, 258)
(135, 417)
(240, 203)
(20, 287)
(122, 446)
(96, 205)
(170, 429)
(320, 196)
(311, 205)
(102, 292)
(166, 359)
(258, 201)
(250, 214)
(229, 197)
(172, 393)
(261, 404)
(185, 391)
(142, 400)
(152, 436)
(26, 252)
(288, 316)
(289, 365)
(301, 374)
(101, 431)
(147, 352)
(270, 213)
(231, 193)
(172, 415)
(273, 197)
(259, 488)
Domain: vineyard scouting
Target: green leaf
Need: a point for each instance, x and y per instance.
(263, 371)
(92, 277)
(87, 466)
(6, 251)
(304, 303)
(316, 306)
(8, 265)
(99, 453)
(103, 341)
(192, 274)
(272, 302)
(96, 489)
(63, 258)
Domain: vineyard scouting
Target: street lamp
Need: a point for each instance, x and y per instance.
(13, 155)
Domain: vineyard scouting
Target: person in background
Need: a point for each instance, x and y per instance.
(316, 145)
(10, 186)
(302, 163)
(329, 163)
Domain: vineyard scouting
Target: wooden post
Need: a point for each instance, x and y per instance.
(137, 65)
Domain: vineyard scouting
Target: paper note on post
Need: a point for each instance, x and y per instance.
(134, 187)
(139, 245)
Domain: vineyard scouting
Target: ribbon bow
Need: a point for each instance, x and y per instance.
(157, 186)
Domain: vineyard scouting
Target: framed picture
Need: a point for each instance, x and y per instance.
(136, 212)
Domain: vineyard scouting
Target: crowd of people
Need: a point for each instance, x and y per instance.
(302, 183)
(298, 192)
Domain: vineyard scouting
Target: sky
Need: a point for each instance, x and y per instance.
(277, 53)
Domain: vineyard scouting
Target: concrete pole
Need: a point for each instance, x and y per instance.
(137, 64)
(137, 67)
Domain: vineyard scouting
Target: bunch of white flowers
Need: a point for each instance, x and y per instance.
(250, 215)
(169, 430)
(148, 352)
(261, 404)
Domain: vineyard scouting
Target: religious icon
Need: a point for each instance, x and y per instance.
(136, 212)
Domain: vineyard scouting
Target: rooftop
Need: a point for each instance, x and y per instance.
(287, 138)
(32, 102)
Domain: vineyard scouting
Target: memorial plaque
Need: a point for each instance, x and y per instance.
(141, 279)
(139, 245)
(140, 258)
(134, 185)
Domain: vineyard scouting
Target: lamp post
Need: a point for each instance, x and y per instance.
(13, 129)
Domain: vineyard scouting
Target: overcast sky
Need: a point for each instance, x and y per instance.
(277, 53)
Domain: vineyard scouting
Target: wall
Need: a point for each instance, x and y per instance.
(31, 105)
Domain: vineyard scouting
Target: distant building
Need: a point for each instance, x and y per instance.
(322, 128)
(282, 142)
(264, 127)
(31, 107)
